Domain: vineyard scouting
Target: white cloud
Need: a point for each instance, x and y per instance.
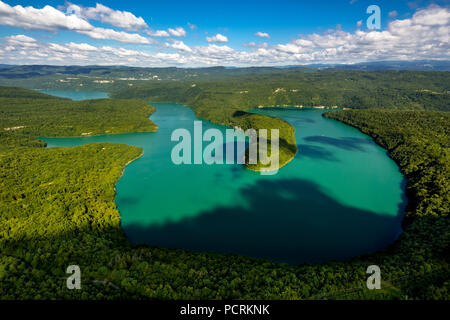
(262, 35)
(158, 33)
(359, 23)
(121, 52)
(253, 44)
(47, 18)
(121, 36)
(179, 45)
(434, 16)
(81, 46)
(423, 36)
(59, 48)
(67, 53)
(120, 19)
(51, 19)
(217, 38)
(20, 38)
(214, 50)
(178, 32)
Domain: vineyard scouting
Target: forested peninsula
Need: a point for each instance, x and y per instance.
(229, 101)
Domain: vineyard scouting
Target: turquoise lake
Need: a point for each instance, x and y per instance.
(340, 197)
(77, 95)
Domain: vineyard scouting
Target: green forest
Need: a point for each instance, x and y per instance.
(26, 114)
(228, 101)
(217, 100)
(57, 205)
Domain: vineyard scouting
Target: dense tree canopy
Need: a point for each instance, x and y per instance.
(226, 101)
(57, 208)
(216, 100)
(26, 114)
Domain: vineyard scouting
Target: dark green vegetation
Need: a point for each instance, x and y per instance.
(33, 71)
(29, 74)
(57, 209)
(107, 78)
(26, 114)
(227, 101)
(218, 100)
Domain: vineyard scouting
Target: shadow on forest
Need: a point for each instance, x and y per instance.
(343, 143)
(296, 222)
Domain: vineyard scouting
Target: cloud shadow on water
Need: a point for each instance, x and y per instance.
(288, 220)
(355, 144)
(127, 200)
(315, 152)
(299, 121)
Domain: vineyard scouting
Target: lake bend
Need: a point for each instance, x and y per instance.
(340, 197)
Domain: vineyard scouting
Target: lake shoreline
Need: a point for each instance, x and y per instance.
(238, 189)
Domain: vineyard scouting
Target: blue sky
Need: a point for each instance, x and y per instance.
(220, 31)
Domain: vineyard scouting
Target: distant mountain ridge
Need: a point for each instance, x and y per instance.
(29, 71)
(418, 65)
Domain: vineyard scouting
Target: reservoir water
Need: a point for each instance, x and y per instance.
(77, 95)
(340, 197)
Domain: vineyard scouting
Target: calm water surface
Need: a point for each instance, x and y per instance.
(340, 197)
(77, 95)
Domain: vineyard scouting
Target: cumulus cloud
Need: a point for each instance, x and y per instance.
(179, 45)
(214, 50)
(158, 33)
(12, 43)
(20, 38)
(262, 34)
(178, 32)
(217, 38)
(47, 18)
(121, 19)
(51, 19)
(120, 36)
(27, 50)
(425, 35)
(81, 46)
